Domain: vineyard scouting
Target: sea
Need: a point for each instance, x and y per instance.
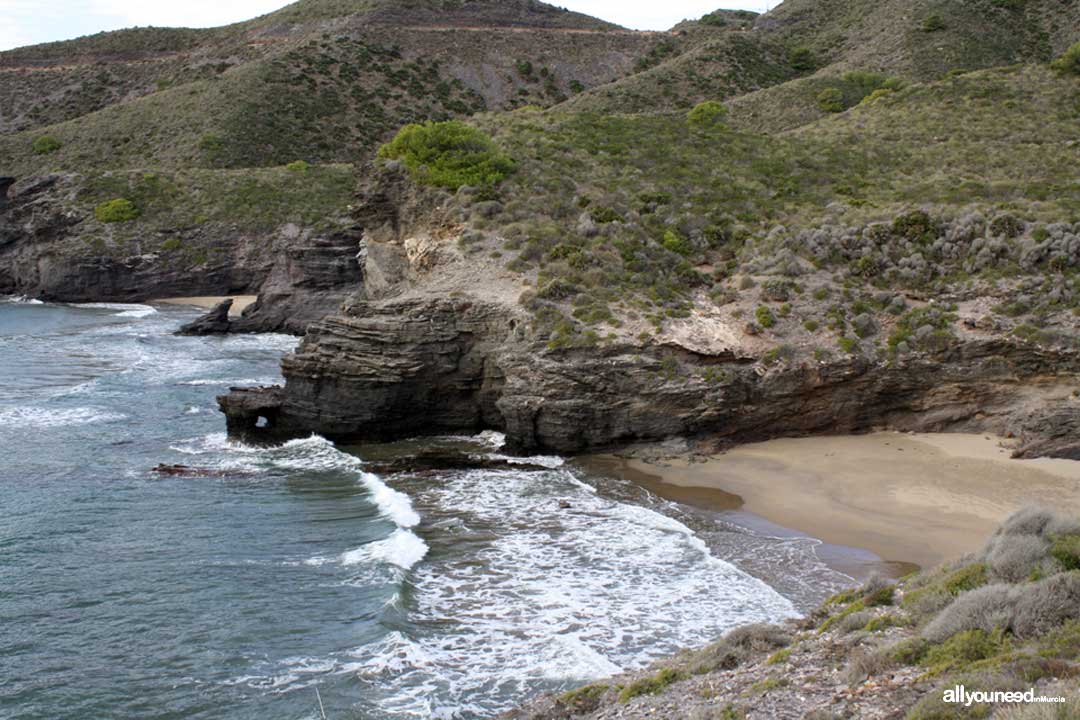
(294, 582)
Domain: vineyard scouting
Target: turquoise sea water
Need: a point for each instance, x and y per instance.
(125, 594)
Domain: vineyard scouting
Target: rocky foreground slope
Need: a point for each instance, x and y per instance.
(1005, 620)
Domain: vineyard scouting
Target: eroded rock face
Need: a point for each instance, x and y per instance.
(45, 254)
(299, 274)
(1052, 432)
(414, 367)
(389, 371)
(311, 276)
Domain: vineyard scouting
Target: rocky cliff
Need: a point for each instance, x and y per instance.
(53, 248)
(393, 369)
(434, 339)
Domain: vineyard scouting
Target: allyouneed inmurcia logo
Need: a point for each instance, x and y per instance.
(959, 695)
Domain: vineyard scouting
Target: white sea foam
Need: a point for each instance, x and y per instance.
(26, 416)
(402, 549)
(20, 300)
(317, 454)
(561, 596)
(265, 341)
(131, 310)
(536, 596)
(246, 382)
(392, 504)
(491, 437)
(548, 461)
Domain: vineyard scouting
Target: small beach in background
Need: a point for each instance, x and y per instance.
(908, 498)
(206, 302)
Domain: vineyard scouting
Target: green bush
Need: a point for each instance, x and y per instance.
(46, 144)
(738, 646)
(933, 23)
(584, 699)
(1070, 61)
(115, 211)
(213, 146)
(707, 114)
(831, 100)
(676, 243)
(765, 317)
(908, 325)
(876, 95)
(604, 215)
(1066, 550)
(848, 345)
(854, 87)
(650, 685)
(916, 226)
(860, 83)
(965, 648)
(299, 166)
(448, 154)
(801, 60)
(715, 19)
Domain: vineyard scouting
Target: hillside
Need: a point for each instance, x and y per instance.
(912, 40)
(662, 211)
(196, 127)
(301, 83)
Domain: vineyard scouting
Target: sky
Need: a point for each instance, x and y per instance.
(28, 22)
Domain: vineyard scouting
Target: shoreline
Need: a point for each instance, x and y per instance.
(207, 302)
(945, 497)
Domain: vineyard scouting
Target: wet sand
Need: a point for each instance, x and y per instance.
(207, 302)
(916, 499)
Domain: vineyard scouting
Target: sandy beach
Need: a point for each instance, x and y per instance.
(208, 301)
(907, 498)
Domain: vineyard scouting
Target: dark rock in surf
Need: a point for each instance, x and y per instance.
(215, 322)
(252, 413)
(194, 472)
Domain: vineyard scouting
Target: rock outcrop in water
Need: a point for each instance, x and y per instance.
(215, 322)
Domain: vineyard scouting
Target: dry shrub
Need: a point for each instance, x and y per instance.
(985, 608)
(1013, 558)
(1046, 605)
(856, 621)
(1028, 521)
(1027, 610)
(738, 646)
(865, 663)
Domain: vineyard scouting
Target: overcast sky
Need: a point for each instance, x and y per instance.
(27, 22)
